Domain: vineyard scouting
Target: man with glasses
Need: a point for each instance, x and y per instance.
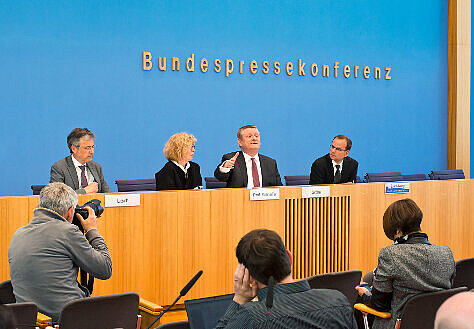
(335, 167)
(77, 170)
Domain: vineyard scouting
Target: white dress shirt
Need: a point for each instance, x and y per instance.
(89, 176)
(248, 163)
(185, 168)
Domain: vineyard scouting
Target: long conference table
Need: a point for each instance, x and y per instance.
(158, 246)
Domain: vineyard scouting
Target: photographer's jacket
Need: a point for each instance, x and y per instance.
(44, 257)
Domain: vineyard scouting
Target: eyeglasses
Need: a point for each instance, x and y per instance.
(89, 148)
(337, 148)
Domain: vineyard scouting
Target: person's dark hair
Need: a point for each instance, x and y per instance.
(348, 141)
(263, 253)
(6, 318)
(239, 132)
(75, 136)
(403, 215)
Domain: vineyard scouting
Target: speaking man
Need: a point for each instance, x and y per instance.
(248, 168)
(336, 166)
(264, 271)
(44, 255)
(77, 170)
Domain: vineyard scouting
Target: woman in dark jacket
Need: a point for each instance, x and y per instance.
(179, 173)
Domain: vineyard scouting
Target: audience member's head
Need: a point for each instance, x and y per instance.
(6, 318)
(264, 254)
(402, 217)
(180, 147)
(457, 312)
(57, 197)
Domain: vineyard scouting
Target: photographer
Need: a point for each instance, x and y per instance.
(45, 255)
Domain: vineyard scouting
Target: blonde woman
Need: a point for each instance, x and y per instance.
(179, 173)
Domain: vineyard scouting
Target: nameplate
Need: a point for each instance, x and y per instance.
(122, 200)
(392, 188)
(259, 194)
(315, 191)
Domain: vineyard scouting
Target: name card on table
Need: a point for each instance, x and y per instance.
(122, 200)
(259, 194)
(315, 191)
(392, 188)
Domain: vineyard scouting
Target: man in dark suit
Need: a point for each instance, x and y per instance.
(248, 168)
(335, 167)
(78, 171)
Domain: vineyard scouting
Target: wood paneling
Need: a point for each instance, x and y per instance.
(158, 246)
(459, 84)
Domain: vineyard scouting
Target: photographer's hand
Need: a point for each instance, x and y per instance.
(90, 222)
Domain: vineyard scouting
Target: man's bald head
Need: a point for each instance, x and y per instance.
(457, 312)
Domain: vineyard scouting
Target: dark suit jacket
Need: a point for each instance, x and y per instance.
(172, 177)
(237, 177)
(322, 171)
(64, 171)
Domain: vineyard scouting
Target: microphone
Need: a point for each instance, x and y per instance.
(183, 292)
(190, 284)
(269, 299)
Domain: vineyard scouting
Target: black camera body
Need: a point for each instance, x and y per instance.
(81, 210)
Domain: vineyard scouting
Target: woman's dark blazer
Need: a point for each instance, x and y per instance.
(172, 177)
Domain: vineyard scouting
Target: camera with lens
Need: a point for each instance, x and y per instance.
(81, 210)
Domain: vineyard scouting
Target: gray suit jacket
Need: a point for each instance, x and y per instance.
(406, 270)
(64, 171)
(237, 177)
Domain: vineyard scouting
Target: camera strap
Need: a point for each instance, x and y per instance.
(88, 283)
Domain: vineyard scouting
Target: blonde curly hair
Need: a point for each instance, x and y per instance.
(177, 145)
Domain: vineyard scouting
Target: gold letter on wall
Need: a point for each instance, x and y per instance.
(204, 65)
(190, 63)
(147, 64)
(229, 67)
(175, 64)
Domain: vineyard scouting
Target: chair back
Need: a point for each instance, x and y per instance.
(6, 293)
(420, 310)
(464, 273)
(24, 313)
(37, 189)
(393, 176)
(212, 182)
(175, 325)
(297, 180)
(447, 174)
(105, 312)
(414, 177)
(146, 184)
(344, 281)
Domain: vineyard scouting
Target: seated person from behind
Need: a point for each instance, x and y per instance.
(179, 173)
(77, 170)
(264, 270)
(46, 254)
(248, 168)
(336, 166)
(410, 266)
